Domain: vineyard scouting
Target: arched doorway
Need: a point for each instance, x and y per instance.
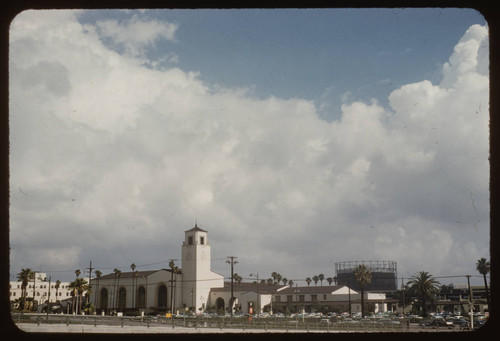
(162, 296)
(122, 298)
(103, 300)
(219, 304)
(141, 297)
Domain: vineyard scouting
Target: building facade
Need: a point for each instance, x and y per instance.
(41, 290)
(163, 290)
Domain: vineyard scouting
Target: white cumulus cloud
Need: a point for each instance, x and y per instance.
(115, 160)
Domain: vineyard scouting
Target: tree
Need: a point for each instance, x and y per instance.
(315, 279)
(321, 277)
(329, 280)
(425, 287)
(77, 272)
(290, 282)
(73, 286)
(25, 276)
(81, 287)
(98, 274)
(237, 278)
(363, 277)
(308, 281)
(483, 267)
(57, 286)
(403, 296)
(117, 282)
(132, 266)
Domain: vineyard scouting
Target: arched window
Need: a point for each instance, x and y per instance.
(122, 298)
(104, 298)
(162, 296)
(141, 297)
(219, 303)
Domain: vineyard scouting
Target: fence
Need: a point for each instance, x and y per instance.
(221, 323)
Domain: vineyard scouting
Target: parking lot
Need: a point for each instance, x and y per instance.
(109, 324)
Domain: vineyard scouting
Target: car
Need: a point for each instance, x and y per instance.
(433, 323)
(461, 323)
(326, 321)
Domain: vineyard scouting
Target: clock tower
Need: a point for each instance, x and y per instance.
(197, 277)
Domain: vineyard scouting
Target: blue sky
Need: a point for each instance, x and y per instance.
(297, 138)
(316, 54)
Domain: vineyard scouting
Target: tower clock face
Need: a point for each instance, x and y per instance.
(188, 255)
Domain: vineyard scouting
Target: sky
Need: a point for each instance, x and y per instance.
(296, 138)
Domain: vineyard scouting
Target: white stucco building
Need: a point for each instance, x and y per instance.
(42, 290)
(163, 290)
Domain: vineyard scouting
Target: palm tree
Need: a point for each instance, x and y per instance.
(284, 280)
(237, 278)
(321, 277)
(77, 272)
(81, 287)
(132, 266)
(57, 286)
(117, 282)
(74, 288)
(308, 281)
(363, 277)
(425, 287)
(483, 267)
(98, 274)
(329, 280)
(278, 278)
(290, 283)
(24, 277)
(315, 279)
(270, 281)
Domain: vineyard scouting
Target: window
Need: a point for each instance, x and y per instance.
(141, 297)
(301, 298)
(314, 298)
(289, 298)
(324, 296)
(190, 240)
(202, 240)
(277, 298)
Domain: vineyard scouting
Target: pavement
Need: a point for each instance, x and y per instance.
(107, 329)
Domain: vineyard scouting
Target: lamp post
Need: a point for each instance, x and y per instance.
(231, 300)
(258, 294)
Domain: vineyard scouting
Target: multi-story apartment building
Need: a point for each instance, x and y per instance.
(41, 289)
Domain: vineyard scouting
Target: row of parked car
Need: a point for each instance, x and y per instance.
(453, 321)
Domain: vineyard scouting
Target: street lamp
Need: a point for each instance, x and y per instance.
(231, 300)
(258, 294)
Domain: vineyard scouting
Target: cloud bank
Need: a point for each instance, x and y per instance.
(112, 160)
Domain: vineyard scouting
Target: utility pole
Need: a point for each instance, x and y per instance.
(471, 304)
(171, 264)
(48, 301)
(258, 296)
(34, 283)
(90, 278)
(403, 290)
(231, 300)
